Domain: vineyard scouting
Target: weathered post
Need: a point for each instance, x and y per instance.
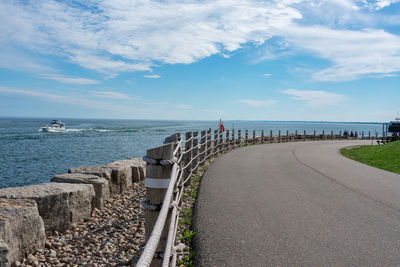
(271, 136)
(203, 147)
(215, 150)
(369, 135)
(287, 136)
(279, 136)
(323, 135)
(376, 135)
(295, 135)
(233, 139)
(254, 137)
(209, 137)
(262, 136)
(195, 152)
(157, 181)
(340, 134)
(240, 137)
(305, 135)
(246, 136)
(221, 142)
(315, 134)
(362, 135)
(227, 143)
(188, 155)
(356, 134)
(332, 136)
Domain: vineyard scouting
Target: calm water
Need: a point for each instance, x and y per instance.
(28, 156)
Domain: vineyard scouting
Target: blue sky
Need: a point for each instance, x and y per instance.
(335, 60)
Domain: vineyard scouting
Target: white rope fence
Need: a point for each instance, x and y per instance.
(184, 156)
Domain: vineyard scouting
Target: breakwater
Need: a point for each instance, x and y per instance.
(28, 212)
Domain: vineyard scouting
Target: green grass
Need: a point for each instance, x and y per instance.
(385, 156)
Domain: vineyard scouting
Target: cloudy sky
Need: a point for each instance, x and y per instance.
(336, 60)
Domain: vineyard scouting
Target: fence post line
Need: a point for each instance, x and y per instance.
(195, 151)
(227, 143)
(262, 136)
(240, 137)
(254, 137)
(188, 156)
(155, 192)
(215, 143)
(203, 147)
(246, 136)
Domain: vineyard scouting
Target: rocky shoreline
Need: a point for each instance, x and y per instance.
(112, 236)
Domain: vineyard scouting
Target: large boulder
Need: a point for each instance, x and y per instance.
(119, 175)
(138, 167)
(21, 229)
(59, 204)
(100, 185)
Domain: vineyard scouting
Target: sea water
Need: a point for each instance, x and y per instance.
(28, 156)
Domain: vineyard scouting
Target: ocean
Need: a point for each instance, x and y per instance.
(28, 156)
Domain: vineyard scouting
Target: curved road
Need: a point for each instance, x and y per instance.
(297, 204)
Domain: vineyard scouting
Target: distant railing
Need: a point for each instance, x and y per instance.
(171, 166)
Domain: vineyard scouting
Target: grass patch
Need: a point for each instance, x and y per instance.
(385, 156)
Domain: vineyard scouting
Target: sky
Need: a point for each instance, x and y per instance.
(303, 60)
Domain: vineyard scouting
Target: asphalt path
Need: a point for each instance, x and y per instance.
(297, 204)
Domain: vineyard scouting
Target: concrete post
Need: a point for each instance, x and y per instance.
(246, 136)
(305, 135)
(227, 143)
(240, 137)
(279, 136)
(221, 142)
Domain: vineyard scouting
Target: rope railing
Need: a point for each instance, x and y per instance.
(185, 159)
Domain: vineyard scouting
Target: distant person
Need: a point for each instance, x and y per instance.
(346, 133)
(351, 134)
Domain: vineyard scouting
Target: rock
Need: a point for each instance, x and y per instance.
(137, 165)
(100, 185)
(119, 177)
(21, 230)
(59, 204)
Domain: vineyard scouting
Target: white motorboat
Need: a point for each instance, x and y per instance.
(55, 126)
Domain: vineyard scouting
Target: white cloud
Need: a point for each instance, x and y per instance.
(267, 75)
(257, 103)
(118, 35)
(316, 99)
(113, 95)
(153, 76)
(56, 98)
(113, 36)
(69, 80)
(184, 106)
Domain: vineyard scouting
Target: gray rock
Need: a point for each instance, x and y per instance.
(100, 185)
(137, 165)
(59, 204)
(117, 178)
(21, 229)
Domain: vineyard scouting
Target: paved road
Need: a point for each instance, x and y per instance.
(297, 204)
